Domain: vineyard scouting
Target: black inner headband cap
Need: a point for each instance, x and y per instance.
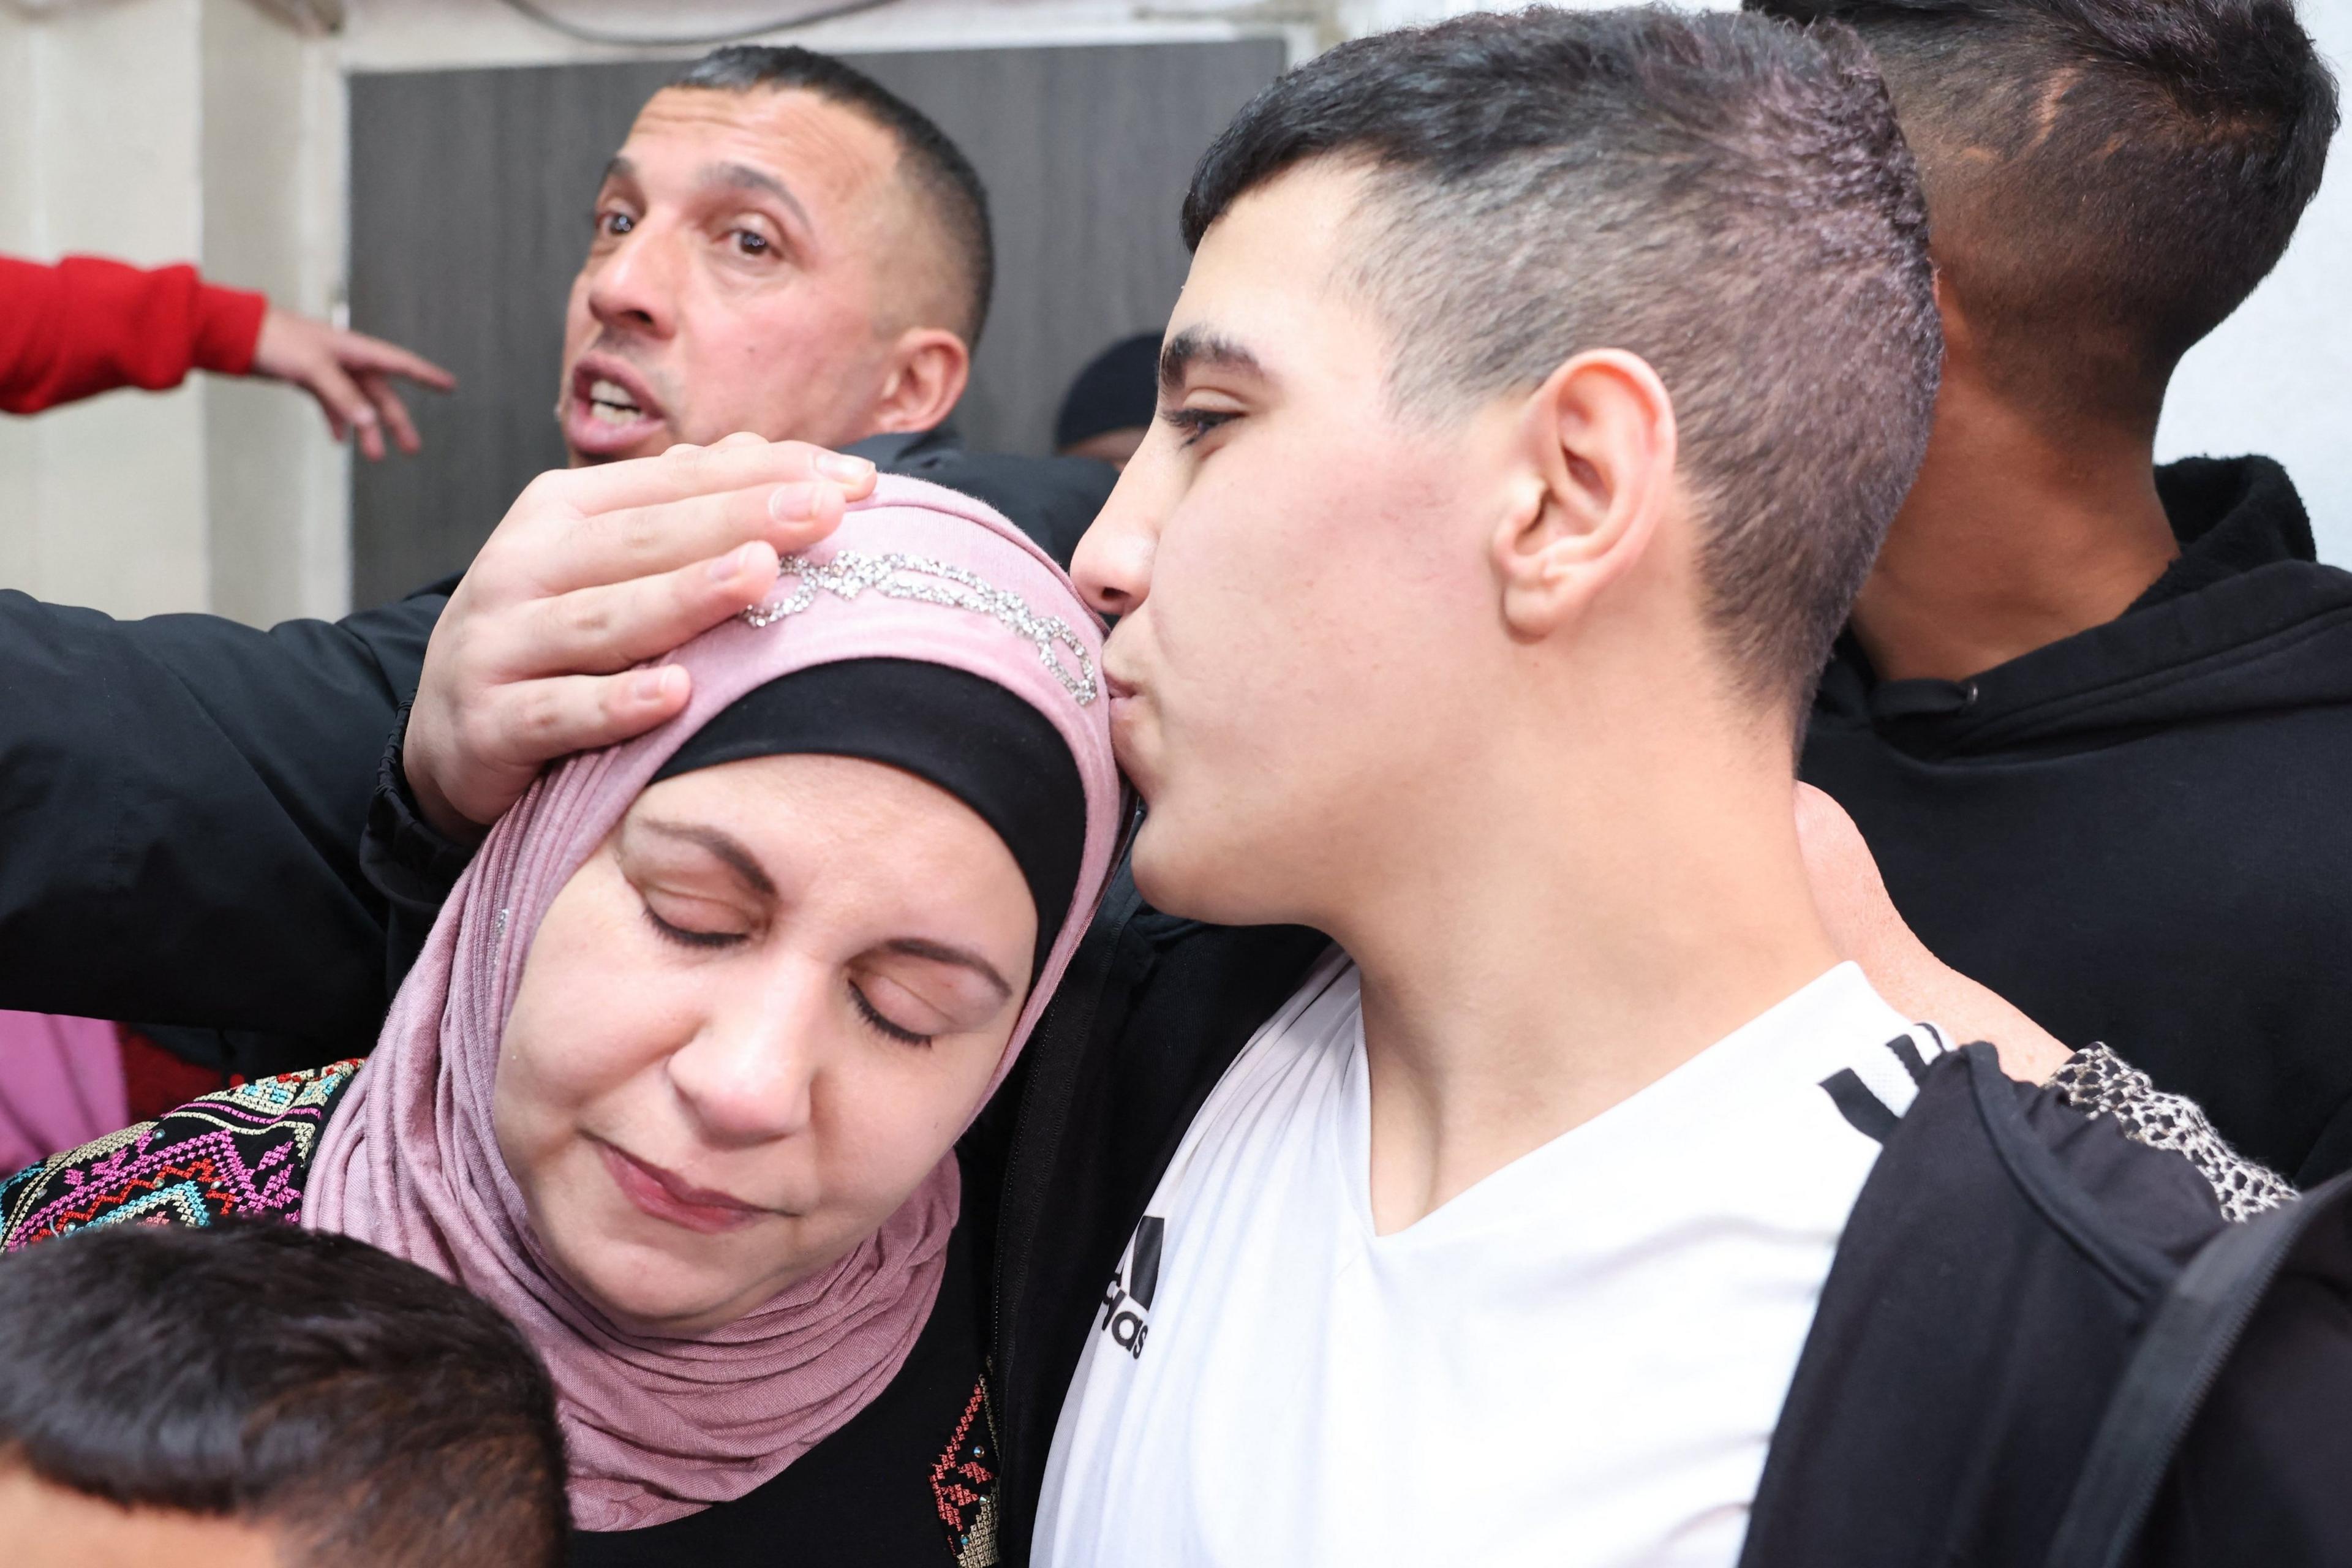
(973, 738)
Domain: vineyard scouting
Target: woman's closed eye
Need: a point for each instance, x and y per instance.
(883, 1025)
(694, 923)
(915, 1001)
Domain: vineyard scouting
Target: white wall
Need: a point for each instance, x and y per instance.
(277, 489)
(105, 502)
(164, 131)
(2278, 376)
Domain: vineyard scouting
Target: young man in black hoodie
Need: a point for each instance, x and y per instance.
(2092, 716)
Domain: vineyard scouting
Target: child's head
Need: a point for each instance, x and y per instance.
(265, 1395)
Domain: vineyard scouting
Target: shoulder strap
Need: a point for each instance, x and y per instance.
(2192, 1336)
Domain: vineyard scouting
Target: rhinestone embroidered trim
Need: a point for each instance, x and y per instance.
(897, 576)
(2098, 1082)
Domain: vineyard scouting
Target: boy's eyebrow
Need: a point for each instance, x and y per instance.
(1202, 345)
(724, 847)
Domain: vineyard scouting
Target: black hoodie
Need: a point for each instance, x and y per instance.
(2142, 834)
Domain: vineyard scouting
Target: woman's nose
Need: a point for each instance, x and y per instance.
(749, 1075)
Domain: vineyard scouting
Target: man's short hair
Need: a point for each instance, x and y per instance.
(941, 178)
(368, 1412)
(2108, 179)
(1726, 196)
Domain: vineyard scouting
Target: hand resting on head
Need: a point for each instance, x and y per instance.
(591, 572)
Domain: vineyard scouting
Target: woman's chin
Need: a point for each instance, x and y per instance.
(643, 1304)
(655, 1290)
(666, 1290)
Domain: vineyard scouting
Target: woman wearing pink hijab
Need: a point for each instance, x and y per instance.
(678, 1080)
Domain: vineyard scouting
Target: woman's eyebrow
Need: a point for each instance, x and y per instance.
(728, 850)
(738, 859)
(963, 958)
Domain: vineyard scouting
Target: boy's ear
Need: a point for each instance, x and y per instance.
(1599, 444)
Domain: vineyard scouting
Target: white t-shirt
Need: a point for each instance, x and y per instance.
(1579, 1361)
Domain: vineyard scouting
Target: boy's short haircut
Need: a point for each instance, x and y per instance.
(2109, 178)
(1726, 196)
(365, 1411)
(941, 177)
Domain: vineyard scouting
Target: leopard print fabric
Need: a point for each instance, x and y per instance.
(2098, 1082)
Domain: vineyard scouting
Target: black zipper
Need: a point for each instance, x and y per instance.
(2188, 1341)
(1037, 1126)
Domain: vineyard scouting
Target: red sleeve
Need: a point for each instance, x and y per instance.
(87, 325)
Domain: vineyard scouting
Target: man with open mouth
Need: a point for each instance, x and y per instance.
(780, 247)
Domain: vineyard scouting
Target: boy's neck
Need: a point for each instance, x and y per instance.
(1541, 950)
(2016, 535)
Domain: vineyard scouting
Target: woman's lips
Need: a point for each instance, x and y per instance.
(665, 1196)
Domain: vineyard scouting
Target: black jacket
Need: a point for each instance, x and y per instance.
(2140, 834)
(2038, 1336)
(184, 796)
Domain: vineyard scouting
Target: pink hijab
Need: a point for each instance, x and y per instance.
(659, 1426)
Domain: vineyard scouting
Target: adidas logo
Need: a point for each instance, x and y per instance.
(1127, 1299)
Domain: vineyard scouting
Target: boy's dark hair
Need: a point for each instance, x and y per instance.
(1724, 196)
(369, 1412)
(2108, 179)
(942, 177)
